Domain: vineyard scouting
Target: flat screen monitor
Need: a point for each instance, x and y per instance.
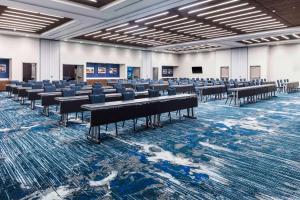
(197, 70)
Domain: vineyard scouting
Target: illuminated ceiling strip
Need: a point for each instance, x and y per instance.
(104, 34)
(21, 26)
(142, 32)
(109, 36)
(235, 16)
(151, 33)
(195, 4)
(119, 26)
(223, 9)
(229, 13)
(94, 33)
(128, 38)
(140, 29)
(18, 9)
(246, 41)
(182, 27)
(21, 23)
(170, 22)
(195, 32)
(262, 28)
(163, 19)
(209, 7)
(151, 17)
(246, 21)
(25, 21)
(221, 35)
(254, 23)
(296, 36)
(207, 31)
(125, 29)
(115, 38)
(174, 25)
(188, 29)
(28, 18)
(29, 15)
(264, 39)
(240, 20)
(213, 33)
(285, 37)
(17, 29)
(158, 35)
(257, 41)
(274, 38)
(259, 26)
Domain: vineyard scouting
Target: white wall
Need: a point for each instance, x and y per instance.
(284, 62)
(207, 60)
(277, 62)
(20, 50)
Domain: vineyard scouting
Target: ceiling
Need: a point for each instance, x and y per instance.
(177, 26)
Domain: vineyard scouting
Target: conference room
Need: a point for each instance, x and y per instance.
(149, 99)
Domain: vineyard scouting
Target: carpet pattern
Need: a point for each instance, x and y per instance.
(251, 152)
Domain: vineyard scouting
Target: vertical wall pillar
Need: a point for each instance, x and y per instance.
(146, 64)
(49, 60)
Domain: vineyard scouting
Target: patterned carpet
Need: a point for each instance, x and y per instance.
(251, 152)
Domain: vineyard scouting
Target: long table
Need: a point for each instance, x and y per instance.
(113, 112)
(291, 87)
(263, 91)
(8, 89)
(211, 90)
(190, 88)
(160, 87)
(73, 104)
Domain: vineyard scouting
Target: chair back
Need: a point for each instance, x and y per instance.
(153, 93)
(68, 93)
(140, 88)
(171, 91)
(120, 90)
(97, 90)
(98, 98)
(126, 96)
(37, 86)
(49, 88)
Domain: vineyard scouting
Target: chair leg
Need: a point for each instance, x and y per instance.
(82, 116)
(123, 124)
(134, 125)
(106, 127)
(170, 117)
(116, 124)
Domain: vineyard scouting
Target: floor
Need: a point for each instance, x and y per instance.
(251, 152)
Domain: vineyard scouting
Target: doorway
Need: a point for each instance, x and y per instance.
(155, 73)
(29, 71)
(255, 72)
(133, 73)
(73, 72)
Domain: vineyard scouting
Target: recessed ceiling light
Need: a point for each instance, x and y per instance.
(296, 36)
(274, 38)
(236, 16)
(195, 4)
(229, 13)
(209, 7)
(119, 26)
(163, 19)
(285, 37)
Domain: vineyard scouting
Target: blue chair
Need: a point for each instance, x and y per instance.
(76, 88)
(140, 88)
(97, 98)
(127, 96)
(49, 88)
(97, 90)
(120, 90)
(153, 93)
(97, 86)
(68, 93)
(171, 91)
(37, 86)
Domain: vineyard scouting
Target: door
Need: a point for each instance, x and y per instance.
(255, 72)
(73, 72)
(224, 73)
(155, 73)
(29, 71)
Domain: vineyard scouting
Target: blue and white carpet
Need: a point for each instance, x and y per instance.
(252, 152)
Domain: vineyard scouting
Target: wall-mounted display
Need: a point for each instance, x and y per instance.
(197, 70)
(102, 70)
(4, 68)
(167, 71)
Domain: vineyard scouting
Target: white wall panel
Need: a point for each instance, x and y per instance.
(20, 50)
(223, 59)
(259, 56)
(239, 63)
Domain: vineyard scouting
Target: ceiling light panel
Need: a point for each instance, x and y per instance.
(201, 19)
(20, 20)
(272, 39)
